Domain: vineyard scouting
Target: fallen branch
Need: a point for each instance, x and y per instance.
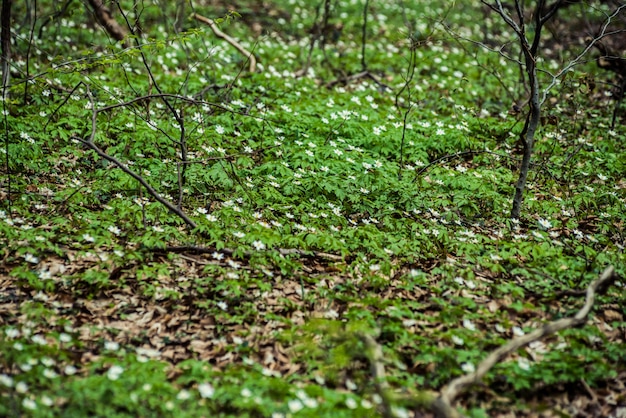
(442, 405)
(232, 41)
(374, 354)
(230, 252)
(454, 388)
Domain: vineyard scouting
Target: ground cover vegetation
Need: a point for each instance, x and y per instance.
(325, 231)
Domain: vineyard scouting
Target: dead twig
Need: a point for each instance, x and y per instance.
(230, 252)
(232, 41)
(353, 77)
(90, 143)
(105, 18)
(374, 354)
(454, 388)
(442, 405)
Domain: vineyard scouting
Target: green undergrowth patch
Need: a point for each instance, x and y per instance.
(321, 211)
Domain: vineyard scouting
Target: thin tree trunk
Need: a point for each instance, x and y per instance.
(528, 134)
(5, 41)
(105, 18)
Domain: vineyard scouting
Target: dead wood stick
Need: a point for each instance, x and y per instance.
(90, 143)
(454, 388)
(377, 368)
(442, 405)
(232, 41)
(230, 252)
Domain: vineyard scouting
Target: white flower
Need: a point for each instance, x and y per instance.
(31, 258)
(21, 387)
(310, 403)
(114, 230)
(468, 367)
(115, 372)
(295, 405)
(111, 346)
(331, 314)
(88, 238)
(233, 264)
(217, 256)
(211, 218)
(206, 390)
(219, 129)
(351, 403)
(545, 224)
(469, 325)
(523, 363)
(6, 380)
(12, 333)
(350, 385)
(457, 340)
(399, 412)
(518, 332)
(246, 393)
(28, 403)
(38, 339)
(70, 370)
(258, 245)
(183, 395)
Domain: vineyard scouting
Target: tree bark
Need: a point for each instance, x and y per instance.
(105, 18)
(528, 134)
(5, 41)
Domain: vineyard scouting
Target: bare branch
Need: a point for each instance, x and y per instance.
(509, 21)
(600, 285)
(232, 41)
(377, 368)
(231, 252)
(90, 142)
(551, 11)
(602, 34)
(105, 18)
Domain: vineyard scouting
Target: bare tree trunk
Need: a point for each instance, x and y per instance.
(528, 134)
(105, 18)
(5, 41)
(530, 51)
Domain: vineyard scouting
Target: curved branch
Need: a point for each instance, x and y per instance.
(105, 18)
(89, 142)
(232, 41)
(442, 405)
(599, 286)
